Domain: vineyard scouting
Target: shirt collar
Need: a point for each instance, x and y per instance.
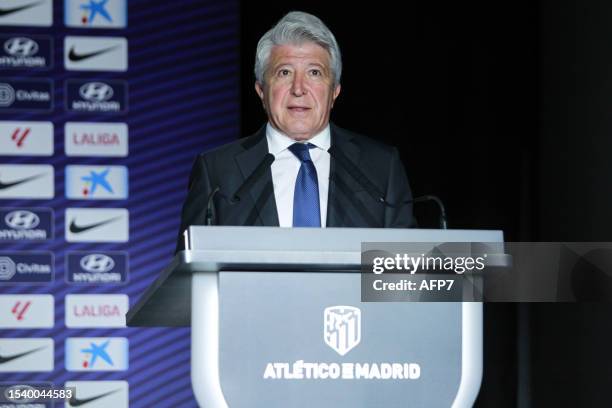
(277, 141)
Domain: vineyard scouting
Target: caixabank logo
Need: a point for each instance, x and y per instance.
(102, 182)
(93, 96)
(108, 267)
(97, 354)
(25, 52)
(26, 224)
(26, 267)
(95, 14)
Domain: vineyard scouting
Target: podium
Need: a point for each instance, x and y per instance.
(277, 321)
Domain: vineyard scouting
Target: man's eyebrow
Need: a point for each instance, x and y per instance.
(281, 65)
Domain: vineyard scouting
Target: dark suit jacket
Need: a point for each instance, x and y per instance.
(349, 203)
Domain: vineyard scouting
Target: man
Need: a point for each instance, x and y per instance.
(361, 184)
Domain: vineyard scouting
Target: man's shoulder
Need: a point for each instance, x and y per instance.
(365, 143)
(233, 148)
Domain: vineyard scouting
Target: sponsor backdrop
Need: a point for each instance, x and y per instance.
(103, 106)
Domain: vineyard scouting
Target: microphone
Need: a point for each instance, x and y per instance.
(360, 178)
(209, 206)
(256, 175)
(429, 197)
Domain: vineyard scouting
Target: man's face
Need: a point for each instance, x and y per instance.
(299, 91)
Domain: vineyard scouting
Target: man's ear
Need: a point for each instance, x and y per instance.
(260, 92)
(335, 94)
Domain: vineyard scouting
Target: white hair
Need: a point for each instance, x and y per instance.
(297, 28)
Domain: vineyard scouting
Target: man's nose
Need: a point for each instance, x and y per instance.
(297, 87)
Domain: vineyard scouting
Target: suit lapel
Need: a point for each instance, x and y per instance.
(262, 193)
(343, 188)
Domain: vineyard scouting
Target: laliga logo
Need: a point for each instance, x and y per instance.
(96, 92)
(21, 47)
(342, 328)
(22, 220)
(97, 263)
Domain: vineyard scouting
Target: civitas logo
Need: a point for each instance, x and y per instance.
(97, 263)
(96, 92)
(22, 220)
(26, 94)
(7, 268)
(26, 266)
(21, 47)
(342, 328)
(7, 95)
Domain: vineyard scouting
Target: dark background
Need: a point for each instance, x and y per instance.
(502, 109)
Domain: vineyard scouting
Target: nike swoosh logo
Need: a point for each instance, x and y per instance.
(77, 229)
(6, 12)
(77, 402)
(4, 186)
(73, 56)
(6, 359)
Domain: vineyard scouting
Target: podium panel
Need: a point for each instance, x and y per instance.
(377, 354)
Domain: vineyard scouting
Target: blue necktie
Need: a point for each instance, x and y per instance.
(306, 211)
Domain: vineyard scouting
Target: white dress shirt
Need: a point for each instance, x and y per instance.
(286, 166)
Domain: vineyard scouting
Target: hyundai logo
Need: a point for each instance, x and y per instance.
(7, 95)
(21, 47)
(97, 263)
(96, 92)
(22, 220)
